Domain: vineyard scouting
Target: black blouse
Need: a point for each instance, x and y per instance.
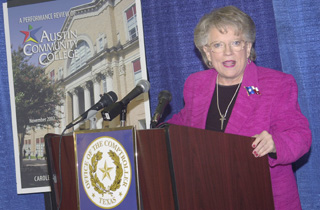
(225, 95)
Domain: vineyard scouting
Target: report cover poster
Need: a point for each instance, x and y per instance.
(62, 55)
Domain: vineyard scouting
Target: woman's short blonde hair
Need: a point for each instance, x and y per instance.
(229, 16)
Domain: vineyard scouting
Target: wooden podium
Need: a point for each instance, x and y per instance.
(180, 168)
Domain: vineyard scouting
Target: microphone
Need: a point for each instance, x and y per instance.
(112, 111)
(164, 99)
(106, 100)
(142, 87)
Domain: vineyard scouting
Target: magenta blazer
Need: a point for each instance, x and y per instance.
(275, 110)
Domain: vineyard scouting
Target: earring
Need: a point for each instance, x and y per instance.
(209, 64)
(249, 61)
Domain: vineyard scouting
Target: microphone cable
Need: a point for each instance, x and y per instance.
(60, 173)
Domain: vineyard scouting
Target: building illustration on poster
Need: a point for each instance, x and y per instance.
(63, 60)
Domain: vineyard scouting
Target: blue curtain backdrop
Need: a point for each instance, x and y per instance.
(287, 40)
(171, 54)
(298, 30)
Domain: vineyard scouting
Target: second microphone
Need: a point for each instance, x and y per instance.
(112, 111)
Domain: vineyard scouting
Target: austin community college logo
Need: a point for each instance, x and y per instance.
(30, 34)
(106, 172)
(50, 47)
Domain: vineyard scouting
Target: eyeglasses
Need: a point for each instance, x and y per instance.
(235, 46)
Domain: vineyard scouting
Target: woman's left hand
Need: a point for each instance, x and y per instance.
(263, 144)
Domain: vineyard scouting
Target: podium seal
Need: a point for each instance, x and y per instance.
(106, 172)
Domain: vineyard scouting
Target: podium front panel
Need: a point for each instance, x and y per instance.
(178, 168)
(153, 170)
(97, 169)
(214, 170)
(105, 165)
(67, 171)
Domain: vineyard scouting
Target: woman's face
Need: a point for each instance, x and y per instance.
(230, 61)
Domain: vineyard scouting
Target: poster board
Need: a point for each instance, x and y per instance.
(62, 55)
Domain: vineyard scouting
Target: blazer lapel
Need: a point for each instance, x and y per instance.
(208, 86)
(244, 103)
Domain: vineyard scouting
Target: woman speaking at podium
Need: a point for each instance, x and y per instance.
(236, 96)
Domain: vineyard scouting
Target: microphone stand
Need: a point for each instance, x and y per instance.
(123, 116)
(93, 122)
(153, 124)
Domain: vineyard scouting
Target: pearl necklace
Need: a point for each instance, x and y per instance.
(223, 117)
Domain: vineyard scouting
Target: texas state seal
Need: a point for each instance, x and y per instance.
(106, 172)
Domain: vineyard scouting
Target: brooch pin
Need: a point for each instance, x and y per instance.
(252, 90)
